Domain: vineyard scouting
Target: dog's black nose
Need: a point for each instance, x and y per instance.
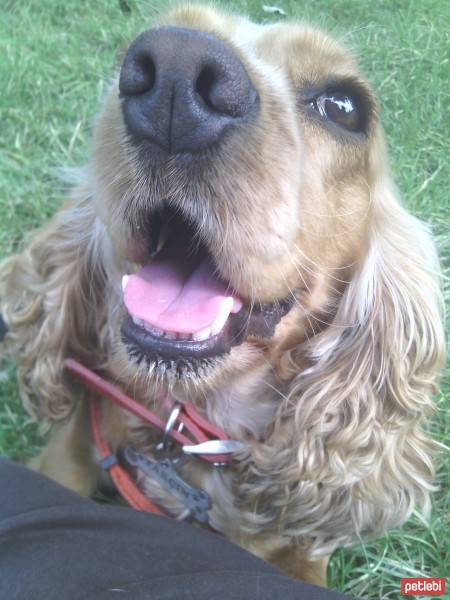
(183, 89)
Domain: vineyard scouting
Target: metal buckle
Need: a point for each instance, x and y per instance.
(167, 448)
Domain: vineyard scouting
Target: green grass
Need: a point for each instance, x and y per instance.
(55, 60)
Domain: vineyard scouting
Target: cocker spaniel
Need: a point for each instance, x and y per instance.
(239, 180)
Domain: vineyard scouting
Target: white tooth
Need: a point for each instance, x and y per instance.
(136, 321)
(224, 313)
(171, 335)
(201, 335)
(185, 336)
(124, 282)
(153, 330)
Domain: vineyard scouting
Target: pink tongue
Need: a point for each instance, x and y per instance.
(176, 296)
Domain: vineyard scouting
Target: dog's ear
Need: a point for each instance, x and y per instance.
(353, 416)
(51, 301)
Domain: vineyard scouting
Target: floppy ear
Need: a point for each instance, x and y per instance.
(347, 449)
(51, 302)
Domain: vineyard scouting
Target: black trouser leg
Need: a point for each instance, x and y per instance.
(56, 545)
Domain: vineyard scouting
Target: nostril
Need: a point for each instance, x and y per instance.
(138, 76)
(225, 89)
(204, 86)
(148, 73)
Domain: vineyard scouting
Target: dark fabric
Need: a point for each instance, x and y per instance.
(56, 545)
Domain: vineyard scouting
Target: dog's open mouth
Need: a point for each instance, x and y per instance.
(179, 307)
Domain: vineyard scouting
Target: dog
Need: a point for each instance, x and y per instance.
(239, 181)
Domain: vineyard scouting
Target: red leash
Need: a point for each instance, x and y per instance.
(204, 435)
(122, 480)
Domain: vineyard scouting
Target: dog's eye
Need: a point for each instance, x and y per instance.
(339, 108)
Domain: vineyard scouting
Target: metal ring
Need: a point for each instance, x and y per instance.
(170, 423)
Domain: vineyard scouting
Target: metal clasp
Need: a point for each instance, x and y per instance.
(214, 447)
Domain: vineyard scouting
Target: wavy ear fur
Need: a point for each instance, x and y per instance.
(51, 301)
(347, 446)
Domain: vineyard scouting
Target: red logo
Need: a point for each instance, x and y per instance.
(423, 586)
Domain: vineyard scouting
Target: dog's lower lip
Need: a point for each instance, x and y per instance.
(260, 323)
(141, 341)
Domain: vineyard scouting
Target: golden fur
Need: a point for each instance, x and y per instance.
(332, 407)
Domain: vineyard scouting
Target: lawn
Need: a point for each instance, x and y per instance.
(55, 60)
